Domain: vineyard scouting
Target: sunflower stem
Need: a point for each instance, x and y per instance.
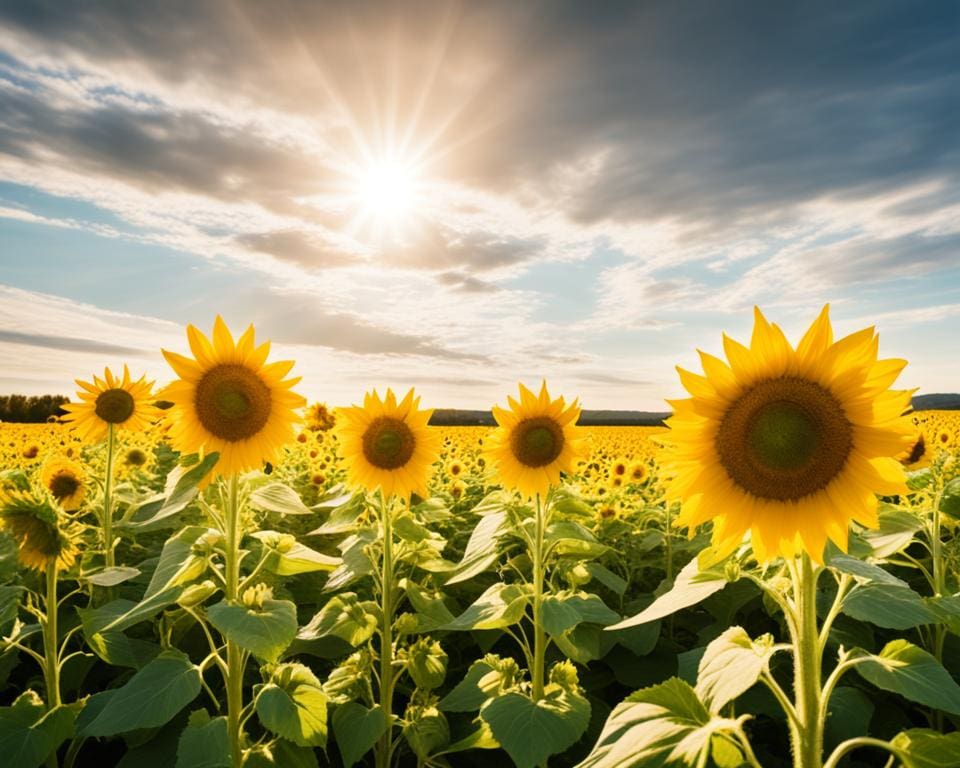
(539, 636)
(235, 655)
(939, 587)
(384, 746)
(51, 648)
(108, 500)
(806, 734)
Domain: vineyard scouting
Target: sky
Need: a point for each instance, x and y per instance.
(461, 196)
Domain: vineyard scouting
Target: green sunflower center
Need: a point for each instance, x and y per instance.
(136, 457)
(784, 439)
(114, 406)
(537, 442)
(63, 486)
(232, 402)
(388, 443)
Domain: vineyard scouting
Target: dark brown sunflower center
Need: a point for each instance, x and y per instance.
(918, 450)
(784, 439)
(136, 457)
(63, 486)
(388, 443)
(537, 442)
(232, 402)
(114, 406)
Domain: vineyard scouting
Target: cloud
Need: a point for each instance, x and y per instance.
(68, 343)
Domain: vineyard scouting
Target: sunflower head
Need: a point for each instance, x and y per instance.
(388, 444)
(536, 440)
(230, 400)
(111, 402)
(788, 443)
(65, 480)
(34, 522)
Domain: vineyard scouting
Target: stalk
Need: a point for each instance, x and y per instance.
(384, 746)
(51, 648)
(539, 636)
(235, 656)
(806, 734)
(108, 500)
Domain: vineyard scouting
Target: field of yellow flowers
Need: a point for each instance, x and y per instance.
(215, 574)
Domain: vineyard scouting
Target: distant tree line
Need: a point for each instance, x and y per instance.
(36, 409)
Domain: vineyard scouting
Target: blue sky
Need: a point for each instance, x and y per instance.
(457, 196)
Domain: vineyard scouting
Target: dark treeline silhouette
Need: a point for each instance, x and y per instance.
(36, 409)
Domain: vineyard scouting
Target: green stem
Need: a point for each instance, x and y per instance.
(861, 741)
(108, 500)
(807, 734)
(384, 746)
(936, 554)
(51, 647)
(235, 656)
(539, 636)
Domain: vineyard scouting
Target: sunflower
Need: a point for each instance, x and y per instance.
(65, 480)
(230, 400)
(536, 440)
(34, 522)
(388, 445)
(916, 456)
(110, 401)
(790, 444)
(638, 472)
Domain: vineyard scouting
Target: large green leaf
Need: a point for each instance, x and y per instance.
(730, 666)
(117, 615)
(499, 606)
(265, 632)
(182, 488)
(204, 743)
(690, 587)
(924, 748)
(904, 668)
(565, 610)
(287, 557)
(467, 696)
(356, 562)
(29, 733)
(356, 729)
(293, 705)
(432, 612)
(279, 497)
(178, 563)
(482, 548)
(889, 606)
(532, 731)
(148, 700)
(895, 532)
(343, 616)
(862, 569)
(280, 754)
(122, 651)
(654, 727)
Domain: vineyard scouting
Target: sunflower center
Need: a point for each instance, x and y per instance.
(232, 402)
(114, 406)
(63, 486)
(537, 442)
(388, 443)
(784, 439)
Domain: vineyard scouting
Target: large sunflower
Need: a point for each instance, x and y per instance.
(388, 445)
(123, 403)
(65, 480)
(35, 525)
(790, 444)
(230, 400)
(537, 439)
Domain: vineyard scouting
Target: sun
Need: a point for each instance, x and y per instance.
(388, 189)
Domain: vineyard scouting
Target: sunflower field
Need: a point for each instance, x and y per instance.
(216, 573)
